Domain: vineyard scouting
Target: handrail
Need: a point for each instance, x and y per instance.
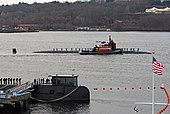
(19, 88)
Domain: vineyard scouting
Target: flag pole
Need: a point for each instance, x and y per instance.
(153, 85)
(153, 102)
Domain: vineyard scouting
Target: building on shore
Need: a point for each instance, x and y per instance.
(27, 27)
(19, 28)
(158, 10)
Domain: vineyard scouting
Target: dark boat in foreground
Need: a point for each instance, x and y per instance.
(60, 88)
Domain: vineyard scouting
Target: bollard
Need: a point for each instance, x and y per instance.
(138, 49)
(56, 49)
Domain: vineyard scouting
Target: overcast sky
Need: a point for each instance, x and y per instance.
(9, 2)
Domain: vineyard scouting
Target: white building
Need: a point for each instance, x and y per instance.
(157, 10)
(164, 0)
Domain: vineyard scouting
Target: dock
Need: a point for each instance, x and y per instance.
(77, 50)
(13, 93)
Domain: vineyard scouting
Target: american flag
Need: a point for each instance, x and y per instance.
(157, 66)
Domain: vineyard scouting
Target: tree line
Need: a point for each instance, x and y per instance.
(117, 15)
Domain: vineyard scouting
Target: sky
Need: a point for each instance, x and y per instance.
(10, 2)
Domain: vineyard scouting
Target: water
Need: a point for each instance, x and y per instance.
(95, 71)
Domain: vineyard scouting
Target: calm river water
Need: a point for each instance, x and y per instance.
(125, 71)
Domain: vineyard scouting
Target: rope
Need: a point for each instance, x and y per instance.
(54, 100)
(168, 97)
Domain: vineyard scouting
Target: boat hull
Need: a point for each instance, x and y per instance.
(53, 93)
(101, 53)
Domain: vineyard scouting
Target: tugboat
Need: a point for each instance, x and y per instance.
(103, 48)
(59, 88)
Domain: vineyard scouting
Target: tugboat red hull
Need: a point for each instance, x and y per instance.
(101, 53)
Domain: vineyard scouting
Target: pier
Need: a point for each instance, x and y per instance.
(13, 93)
(77, 50)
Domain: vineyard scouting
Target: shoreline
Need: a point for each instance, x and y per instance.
(87, 31)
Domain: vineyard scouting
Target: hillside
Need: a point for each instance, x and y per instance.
(115, 15)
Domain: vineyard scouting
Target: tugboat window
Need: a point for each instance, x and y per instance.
(68, 80)
(51, 91)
